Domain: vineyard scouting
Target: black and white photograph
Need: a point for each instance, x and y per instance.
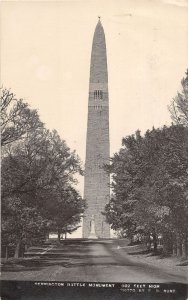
(94, 149)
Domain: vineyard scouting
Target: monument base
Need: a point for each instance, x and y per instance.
(92, 236)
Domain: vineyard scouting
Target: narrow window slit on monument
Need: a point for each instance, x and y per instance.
(98, 94)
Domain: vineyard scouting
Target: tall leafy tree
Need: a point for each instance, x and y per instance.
(38, 185)
(150, 185)
(17, 119)
(179, 105)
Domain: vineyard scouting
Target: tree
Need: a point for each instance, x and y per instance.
(21, 224)
(67, 210)
(150, 186)
(38, 179)
(17, 118)
(125, 175)
(179, 105)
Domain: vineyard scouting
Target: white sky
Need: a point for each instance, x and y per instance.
(45, 59)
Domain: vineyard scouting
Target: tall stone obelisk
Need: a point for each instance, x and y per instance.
(96, 186)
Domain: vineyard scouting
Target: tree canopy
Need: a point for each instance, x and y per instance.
(150, 181)
(38, 182)
(149, 184)
(179, 105)
(17, 119)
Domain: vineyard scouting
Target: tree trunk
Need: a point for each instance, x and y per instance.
(47, 236)
(17, 250)
(59, 235)
(154, 242)
(6, 253)
(65, 235)
(131, 240)
(184, 246)
(26, 247)
(179, 246)
(167, 243)
(165, 247)
(148, 242)
(174, 248)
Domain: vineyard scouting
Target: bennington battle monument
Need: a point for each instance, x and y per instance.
(96, 184)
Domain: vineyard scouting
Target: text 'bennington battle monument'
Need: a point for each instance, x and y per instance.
(96, 186)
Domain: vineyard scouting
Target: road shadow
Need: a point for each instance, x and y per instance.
(68, 254)
(74, 254)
